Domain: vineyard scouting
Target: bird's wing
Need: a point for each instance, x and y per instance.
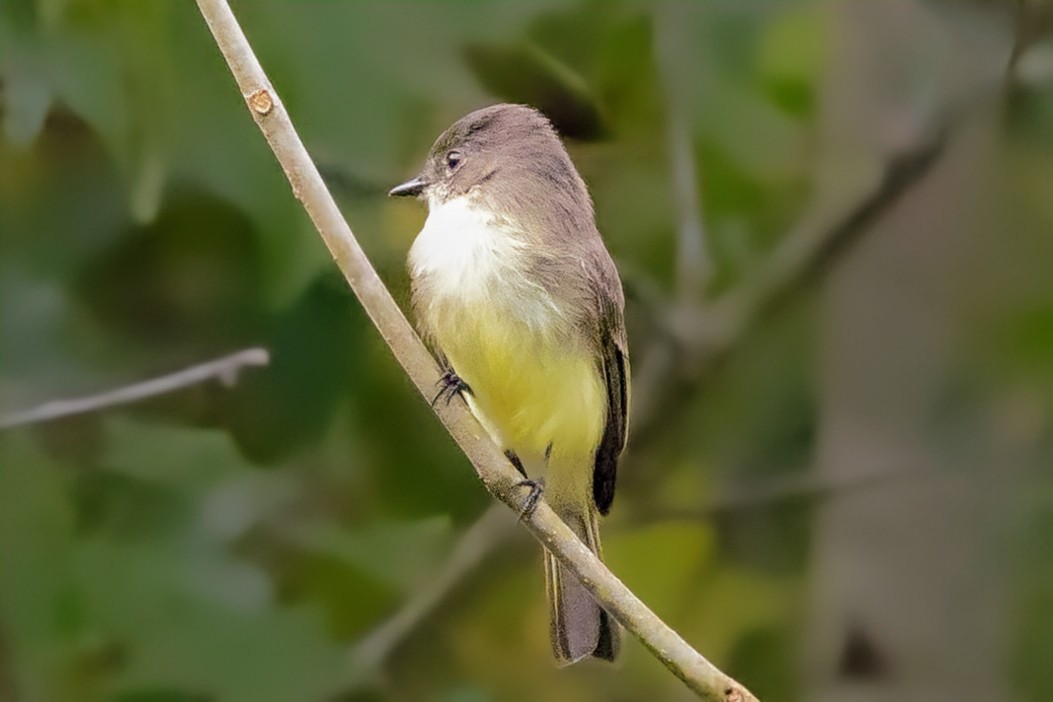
(614, 365)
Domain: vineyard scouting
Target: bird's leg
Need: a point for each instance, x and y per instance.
(516, 463)
(536, 486)
(450, 386)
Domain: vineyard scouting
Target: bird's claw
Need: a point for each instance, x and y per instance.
(450, 386)
(530, 503)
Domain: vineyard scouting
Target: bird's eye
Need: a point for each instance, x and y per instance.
(453, 159)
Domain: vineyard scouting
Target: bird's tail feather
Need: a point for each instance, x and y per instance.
(578, 625)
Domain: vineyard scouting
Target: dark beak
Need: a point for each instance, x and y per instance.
(411, 188)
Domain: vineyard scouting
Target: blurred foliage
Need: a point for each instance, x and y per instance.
(232, 544)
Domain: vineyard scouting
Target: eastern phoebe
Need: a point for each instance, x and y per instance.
(514, 289)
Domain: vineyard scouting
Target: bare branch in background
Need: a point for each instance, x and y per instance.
(696, 344)
(224, 369)
(491, 529)
(500, 478)
(806, 485)
(805, 250)
(694, 263)
(1032, 22)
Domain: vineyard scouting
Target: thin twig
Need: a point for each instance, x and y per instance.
(500, 478)
(491, 529)
(224, 369)
(1032, 22)
(805, 251)
(696, 345)
(776, 489)
(694, 264)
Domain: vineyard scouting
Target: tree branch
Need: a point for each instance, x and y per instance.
(694, 264)
(489, 530)
(500, 478)
(806, 250)
(696, 343)
(763, 493)
(224, 369)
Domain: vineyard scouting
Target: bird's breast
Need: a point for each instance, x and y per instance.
(533, 379)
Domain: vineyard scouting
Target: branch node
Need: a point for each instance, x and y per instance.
(261, 102)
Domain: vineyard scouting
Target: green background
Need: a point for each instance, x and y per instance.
(855, 502)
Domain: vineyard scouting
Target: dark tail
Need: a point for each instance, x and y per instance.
(579, 626)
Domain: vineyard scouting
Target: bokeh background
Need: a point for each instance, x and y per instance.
(834, 221)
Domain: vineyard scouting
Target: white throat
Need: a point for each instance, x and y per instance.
(465, 254)
(461, 247)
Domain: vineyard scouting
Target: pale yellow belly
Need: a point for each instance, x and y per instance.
(531, 390)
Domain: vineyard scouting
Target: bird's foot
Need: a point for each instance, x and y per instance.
(530, 503)
(450, 386)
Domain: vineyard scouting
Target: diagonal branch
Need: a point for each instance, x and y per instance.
(224, 369)
(780, 489)
(500, 478)
(804, 251)
(695, 344)
(489, 530)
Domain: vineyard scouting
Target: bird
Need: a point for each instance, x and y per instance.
(515, 292)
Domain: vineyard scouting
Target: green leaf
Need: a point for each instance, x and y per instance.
(791, 55)
(314, 348)
(191, 459)
(28, 95)
(526, 73)
(36, 541)
(402, 555)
